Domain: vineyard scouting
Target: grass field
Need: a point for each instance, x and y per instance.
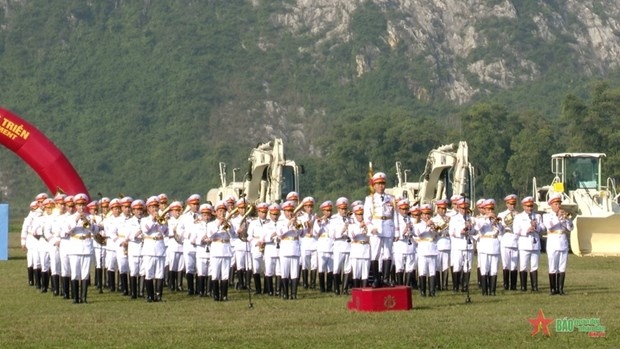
(31, 319)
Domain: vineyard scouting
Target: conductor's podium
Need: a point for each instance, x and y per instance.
(381, 299)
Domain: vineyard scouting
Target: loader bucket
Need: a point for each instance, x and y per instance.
(596, 236)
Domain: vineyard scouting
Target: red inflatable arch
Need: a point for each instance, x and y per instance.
(40, 154)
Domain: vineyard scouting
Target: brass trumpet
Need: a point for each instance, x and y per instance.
(85, 222)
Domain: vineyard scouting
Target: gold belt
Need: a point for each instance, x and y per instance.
(361, 242)
(425, 239)
(291, 238)
(308, 235)
(557, 232)
(224, 241)
(153, 237)
(488, 236)
(81, 237)
(324, 236)
(383, 218)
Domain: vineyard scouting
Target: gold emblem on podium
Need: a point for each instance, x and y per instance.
(389, 302)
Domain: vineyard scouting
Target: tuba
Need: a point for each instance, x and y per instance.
(509, 219)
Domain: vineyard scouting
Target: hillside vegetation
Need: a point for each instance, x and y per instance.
(147, 97)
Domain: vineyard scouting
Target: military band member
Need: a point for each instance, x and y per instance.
(271, 246)
(122, 242)
(80, 248)
(99, 255)
(462, 232)
(189, 248)
(444, 246)
(425, 233)
(559, 226)
(203, 254)
(325, 246)
(342, 245)
(309, 256)
(219, 233)
(135, 238)
(29, 243)
(255, 239)
(153, 230)
(52, 233)
(64, 209)
(404, 248)
(288, 231)
(42, 232)
(360, 248)
(379, 216)
(111, 224)
(528, 226)
(174, 251)
(509, 244)
(240, 244)
(490, 229)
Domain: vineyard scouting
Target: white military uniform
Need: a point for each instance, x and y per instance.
(360, 253)
(529, 242)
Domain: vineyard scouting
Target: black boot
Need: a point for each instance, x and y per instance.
(534, 279)
(30, 276)
(483, 285)
(124, 286)
(478, 277)
(150, 290)
(44, 281)
(190, 284)
(313, 279)
(364, 283)
(465, 281)
(506, 279)
(304, 278)
(75, 284)
(552, 284)
(523, 277)
(65, 287)
(99, 279)
(224, 290)
(172, 281)
(180, 276)
(112, 281)
(337, 284)
(278, 290)
(437, 281)
(414, 280)
(493, 284)
(444, 280)
(513, 280)
(400, 278)
(374, 272)
(84, 291)
(322, 282)
(346, 283)
(37, 278)
(56, 284)
(285, 286)
(209, 284)
(141, 286)
(269, 285)
(159, 289)
(216, 290)
(422, 286)
(200, 286)
(561, 277)
(431, 285)
(257, 285)
(456, 279)
(133, 286)
(407, 280)
(330, 282)
(294, 283)
(387, 266)
(240, 285)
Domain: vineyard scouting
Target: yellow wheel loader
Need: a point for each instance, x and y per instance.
(592, 203)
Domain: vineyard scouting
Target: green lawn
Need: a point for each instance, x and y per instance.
(32, 319)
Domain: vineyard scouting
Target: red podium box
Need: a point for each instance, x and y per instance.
(381, 299)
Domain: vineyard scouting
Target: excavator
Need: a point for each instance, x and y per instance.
(592, 203)
(269, 178)
(447, 172)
